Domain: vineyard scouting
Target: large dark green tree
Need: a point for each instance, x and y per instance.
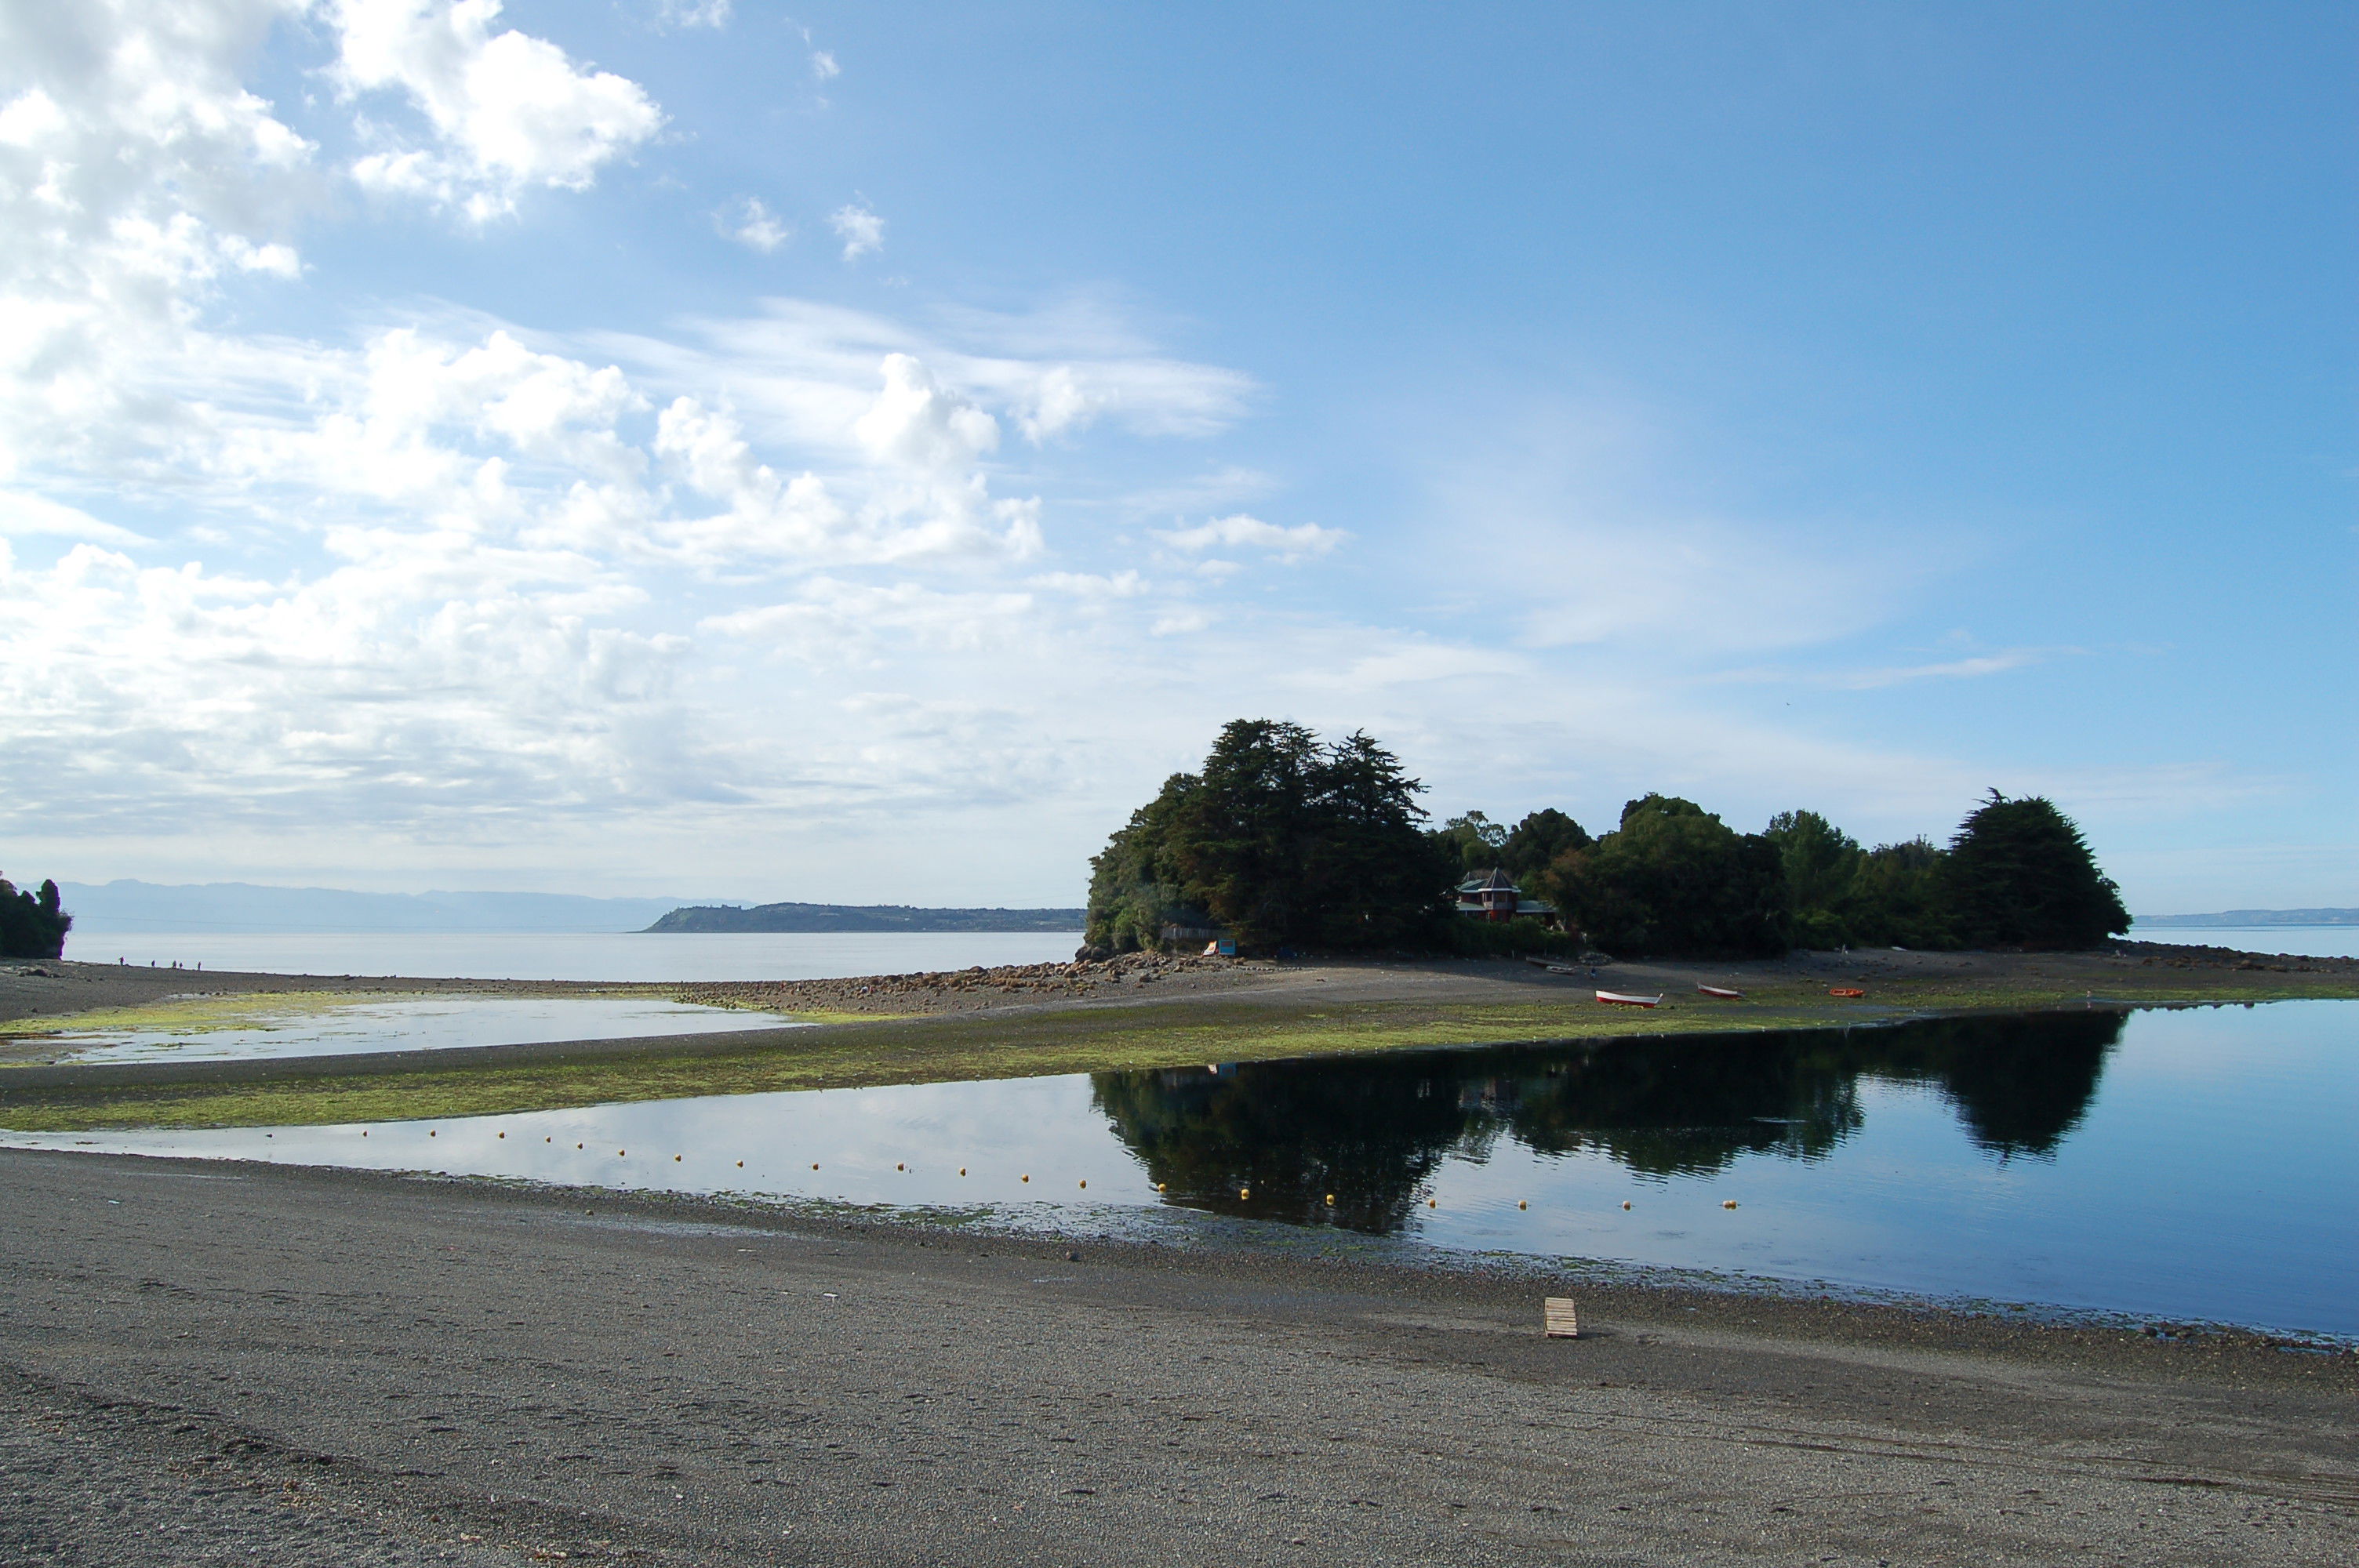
(1899, 898)
(1473, 843)
(1282, 839)
(2018, 874)
(32, 925)
(1673, 881)
(1538, 840)
(1821, 864)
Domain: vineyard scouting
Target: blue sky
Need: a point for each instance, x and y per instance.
(854, 453)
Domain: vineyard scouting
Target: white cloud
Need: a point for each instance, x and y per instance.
(823, 66)
(916, 422)
(752, 224)
(508, 111)
(23, 515)
(859, 227)
(696, 12)
(1288, 544)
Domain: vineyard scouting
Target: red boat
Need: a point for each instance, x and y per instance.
(1845, 990)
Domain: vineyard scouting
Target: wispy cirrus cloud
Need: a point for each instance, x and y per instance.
(1242, 531)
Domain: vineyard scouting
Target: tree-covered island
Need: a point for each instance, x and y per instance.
(1283, 841)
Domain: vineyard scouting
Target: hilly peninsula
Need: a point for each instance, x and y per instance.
(865, 917)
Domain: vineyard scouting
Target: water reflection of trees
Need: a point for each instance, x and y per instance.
(1370, 1130)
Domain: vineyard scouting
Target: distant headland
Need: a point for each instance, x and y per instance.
(2249, 917)
(866, 917)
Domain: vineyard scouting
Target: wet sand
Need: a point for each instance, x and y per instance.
(273, 1365)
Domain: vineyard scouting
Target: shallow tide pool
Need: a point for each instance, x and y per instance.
(314, 1024)
(2194, 1164)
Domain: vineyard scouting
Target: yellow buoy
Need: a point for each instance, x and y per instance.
(1625, 1203)
(900, 1166)
(364, 1132)
(814, 1165)
(622, 1153)
(548, 1141)
(1521, 1204)
(1728, 1202)
(1027, 1177)
(1160, 1187)
(1085, 1183)
(1330, 1200)
(430, 1132)
(1244, 1192)
(962, 1170)
(675, 1159)
(1433, 1203)
(503, 1135)
(741, 1164)
(577, 1146)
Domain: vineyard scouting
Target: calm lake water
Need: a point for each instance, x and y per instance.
(576, 955)
(303, 1026)
(2190, 1164)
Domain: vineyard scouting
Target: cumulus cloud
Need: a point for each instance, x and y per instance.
(823, 66)
(916, 422)
(1242, 530)
(752, 224)
(859, 227)
(508, 111)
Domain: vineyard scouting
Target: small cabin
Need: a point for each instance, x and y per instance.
(1494, 896)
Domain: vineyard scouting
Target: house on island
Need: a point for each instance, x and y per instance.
(1494, 897)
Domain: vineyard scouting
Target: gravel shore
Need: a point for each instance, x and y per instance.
(220, 1363)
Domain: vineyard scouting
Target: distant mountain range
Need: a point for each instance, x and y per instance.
(866, 917)
(137, 906)
(2256, 917)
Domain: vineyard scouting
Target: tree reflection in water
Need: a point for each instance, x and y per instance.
(1371, 1130)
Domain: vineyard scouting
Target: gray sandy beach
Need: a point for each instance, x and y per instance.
(262, 1365)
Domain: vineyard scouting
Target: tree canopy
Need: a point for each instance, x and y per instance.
(2020, 875)
(32, 925)
(1282, 840)
(1673, 878)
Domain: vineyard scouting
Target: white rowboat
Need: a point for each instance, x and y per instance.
(1721, 991)
(1622, 999)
